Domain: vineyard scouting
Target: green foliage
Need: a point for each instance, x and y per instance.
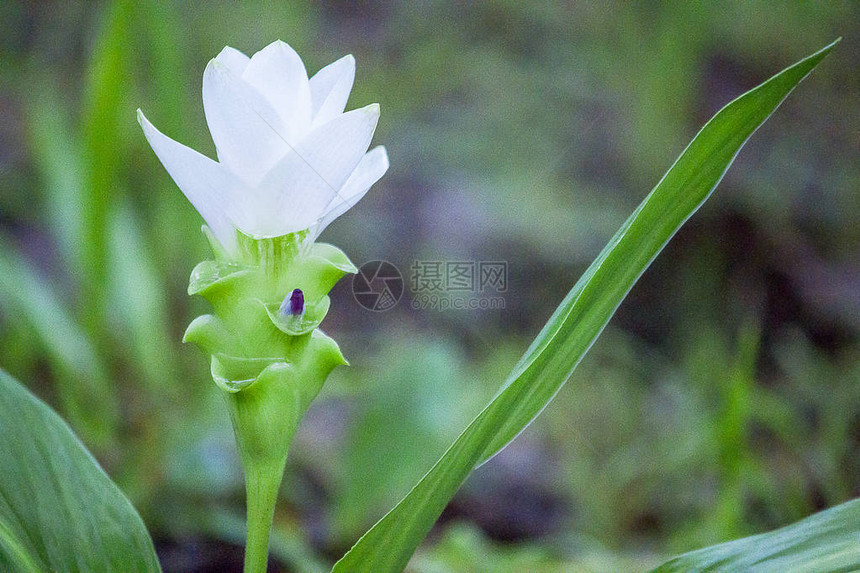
(83, 383)
(825, 542)
(466, 548)
(59, 511)
(457, 550)
(579, 320)
(104, 158)
(510, 125)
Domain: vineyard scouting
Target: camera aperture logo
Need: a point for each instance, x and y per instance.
(434, 285)
(377, 286)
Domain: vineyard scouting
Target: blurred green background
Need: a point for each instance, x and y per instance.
(722, 400)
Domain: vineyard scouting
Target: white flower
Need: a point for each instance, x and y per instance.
(289, 158)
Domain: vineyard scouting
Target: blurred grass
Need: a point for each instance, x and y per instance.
(516, 132)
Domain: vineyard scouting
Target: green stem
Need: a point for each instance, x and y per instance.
(261, 486)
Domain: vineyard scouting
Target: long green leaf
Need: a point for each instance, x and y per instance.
(83, 386)
(577, 322)
(137, 296)
(106, 110)
(824, 542)
(59, 511)
(56, 154)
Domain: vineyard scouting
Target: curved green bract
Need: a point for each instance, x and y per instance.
(822, 543)
(577, 322)
(270, 365)
(59, 511)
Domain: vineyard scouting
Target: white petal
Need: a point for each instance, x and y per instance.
(305, 181)
(210, 187)
(248, 133)
(295, 196)
(335, 148)
(330, 89)
(277, 72)
(370, 169)
(235, 60)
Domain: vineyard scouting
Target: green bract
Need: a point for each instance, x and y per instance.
(269, 364)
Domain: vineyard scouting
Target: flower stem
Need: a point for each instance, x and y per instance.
(261, 486)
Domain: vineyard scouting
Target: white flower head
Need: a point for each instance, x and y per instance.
(289, 158)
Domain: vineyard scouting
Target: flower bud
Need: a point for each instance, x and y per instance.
(294, 304)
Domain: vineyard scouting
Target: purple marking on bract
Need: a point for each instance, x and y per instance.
(294, 303)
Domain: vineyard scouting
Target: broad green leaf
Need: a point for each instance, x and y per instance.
(577, 322)
(824, 542)
(59, 511)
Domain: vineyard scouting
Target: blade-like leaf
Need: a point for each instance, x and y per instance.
(824, 542)
(56, 154)
(87, 398)
(59, 511)
(577, 322)
(137, 296)
(105, 152)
